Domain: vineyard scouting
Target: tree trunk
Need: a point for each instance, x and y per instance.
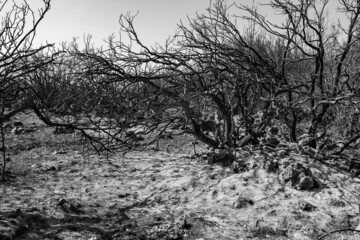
(293, 127)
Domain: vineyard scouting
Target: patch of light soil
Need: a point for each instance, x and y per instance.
(175, 187)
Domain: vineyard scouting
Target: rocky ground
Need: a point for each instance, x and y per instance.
(55, 190)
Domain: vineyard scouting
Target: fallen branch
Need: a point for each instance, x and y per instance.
(347, 144)
(339, 230)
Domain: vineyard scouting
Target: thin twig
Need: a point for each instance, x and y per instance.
(339, 230)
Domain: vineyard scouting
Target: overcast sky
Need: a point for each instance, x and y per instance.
(156, 20)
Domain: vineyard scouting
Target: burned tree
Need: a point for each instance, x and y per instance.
(204, 74)
(316, 68)
(229, 85)
(18, 55)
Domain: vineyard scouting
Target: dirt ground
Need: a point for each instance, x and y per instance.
(55, 190)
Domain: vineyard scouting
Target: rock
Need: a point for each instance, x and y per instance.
(185, 224)
(242, 202)
(18, 124)
(337, 203)
(74, 162)
(307, 207)
(299, 176)
(285, 162)
(139, 138)
(212, 176)
(166, 135)
(300, 236)
(273, 141)
(18, 131)
(223, 156)
(238, 166)
(220, 155)
(124, 195)
(252, 163)
(305, 182)
(51, 168)
(59, 152)
(271, 166)
(66, 206)
(45, 167)
(30, 130)
(63, 130)
(204, 156)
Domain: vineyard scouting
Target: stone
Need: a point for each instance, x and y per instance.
(63, 130)
(68, 206)
(242, 202)
(307, 207)
(18, 131)
(238, 166)
(305, 182)
(223, 156)
(167, 135)
(273, 141)
(300, 236)
(252, 163)
(18, 124)
(58, 152)
(271, 166)
(299, 177)
(51, 168)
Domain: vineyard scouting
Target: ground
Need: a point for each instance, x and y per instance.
(56, 190)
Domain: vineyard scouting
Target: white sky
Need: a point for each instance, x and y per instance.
(157, 19)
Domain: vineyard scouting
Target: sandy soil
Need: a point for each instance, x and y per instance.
(57, 191)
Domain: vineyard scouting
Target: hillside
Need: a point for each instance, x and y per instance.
(55, 190)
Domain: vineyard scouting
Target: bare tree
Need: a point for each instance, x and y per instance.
(234, 83)
(18, 56)
(209, 71)
(312, 44)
